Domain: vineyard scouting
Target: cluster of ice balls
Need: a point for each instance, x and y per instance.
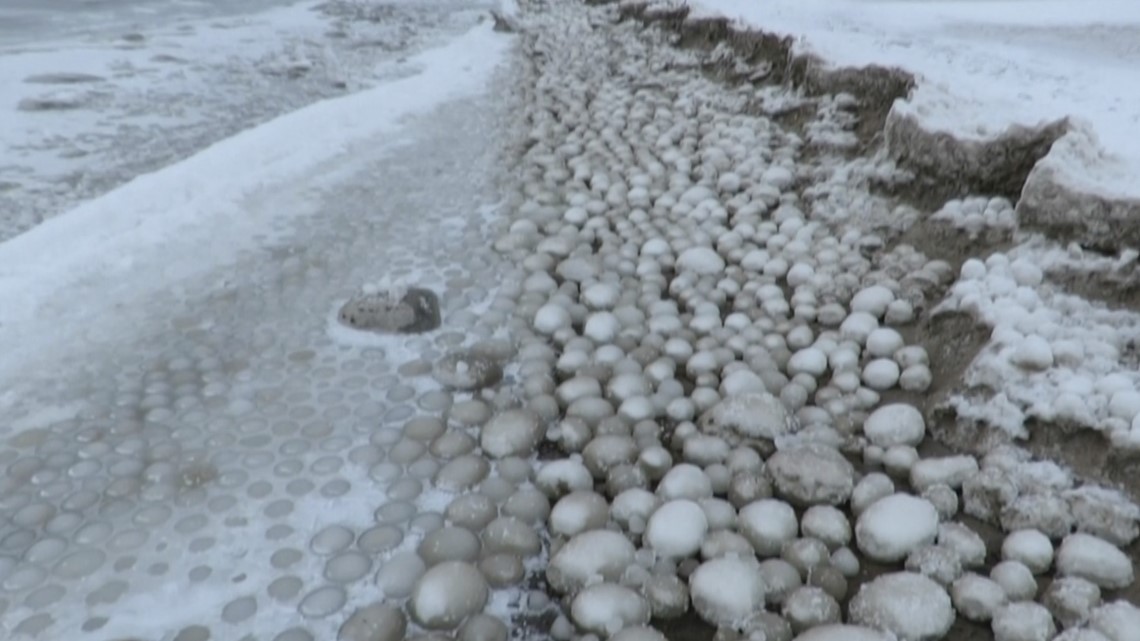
(711, 361)
(975, 215)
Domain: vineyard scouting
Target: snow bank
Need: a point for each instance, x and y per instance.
(984, 67)
(82, 272)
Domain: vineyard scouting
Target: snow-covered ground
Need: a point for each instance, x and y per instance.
(984, 65)
(83, 115)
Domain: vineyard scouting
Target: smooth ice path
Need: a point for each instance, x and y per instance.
(193, 453)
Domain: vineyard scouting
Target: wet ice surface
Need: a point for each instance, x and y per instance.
(87, 114)
(223, 471)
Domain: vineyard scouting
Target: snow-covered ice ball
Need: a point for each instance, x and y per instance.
(828, 524)
(721, 607)
(808, 607)
(562, 476)
(869, 489)
(577, 512)
(1119, 620)
(968, 544)
(721, 514)
(677, 528)
(842, 632)
(1030, 547)
(937, 562)
(601, 296)
(376, 622)
(632, 508)
(447, 594)
(944, 498)
(987, 493)
(551, 318)
(607, 608)
(811, 474)
(1071, 600)
(846, 562)
(399, 574)
(449, 543)
(884, 342)
(916, 378)
(857, 326)
(1023, 621)
(1080, 634)
(780, 578)
(601, 327)
(895, 424)
(700, 260)
(511, 433)
(767, 524)
(1094, 559)
(977, 597)
(467, 370)
(608, 451)
(810, 360)
(872, 300)
(769, 626)
(483, 627)
(881, 374)
(638, 633)
(1033, 353)
(943, 470)
(896, 525)
(750, 415)
(589, 556)
(1045, 511)
(668, 596)
(908, 605)
(1016, 579)
(1106, 513)
(685, 481)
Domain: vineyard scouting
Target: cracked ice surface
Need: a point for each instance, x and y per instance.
(208, 460)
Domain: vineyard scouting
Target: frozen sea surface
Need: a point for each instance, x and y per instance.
(32, 20)
(85, 113)
(195, 450)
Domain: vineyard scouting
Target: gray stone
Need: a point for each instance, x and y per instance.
(412, 311)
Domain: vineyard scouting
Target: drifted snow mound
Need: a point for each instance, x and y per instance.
(447, 594)
(728, 590)
(896, 525)
(812, 474)
(908, 605)
(749, 415)
(1095, 560)
(895, 424)
(597, 554)
(839, 632)
(512, 433)
(606, 608)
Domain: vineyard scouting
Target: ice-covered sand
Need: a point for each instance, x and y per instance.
(984, 65)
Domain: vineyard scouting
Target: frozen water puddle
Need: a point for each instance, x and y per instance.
(245, 467)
